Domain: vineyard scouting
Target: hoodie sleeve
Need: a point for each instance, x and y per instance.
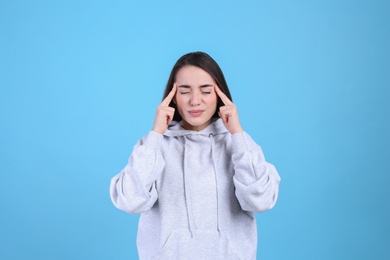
(256, 181)
(134, 190)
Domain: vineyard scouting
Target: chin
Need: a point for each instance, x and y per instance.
(198, 122)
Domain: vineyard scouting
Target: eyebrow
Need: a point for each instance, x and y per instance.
(201, 86)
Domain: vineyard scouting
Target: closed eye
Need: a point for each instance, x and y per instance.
(206, 92)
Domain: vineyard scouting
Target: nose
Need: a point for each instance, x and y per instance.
(195, 99)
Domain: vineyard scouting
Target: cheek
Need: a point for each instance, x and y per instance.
(179, 101)
(212, 100)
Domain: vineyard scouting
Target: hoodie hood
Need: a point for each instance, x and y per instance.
(216, 127)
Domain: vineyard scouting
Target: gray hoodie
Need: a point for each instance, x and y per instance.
(197, 192)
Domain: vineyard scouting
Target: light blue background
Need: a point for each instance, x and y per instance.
(80, 82)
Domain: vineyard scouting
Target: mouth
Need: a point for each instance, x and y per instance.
(196, 113)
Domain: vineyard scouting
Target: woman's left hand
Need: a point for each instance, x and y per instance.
(228, 113)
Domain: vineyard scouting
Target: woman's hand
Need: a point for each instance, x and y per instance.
(228, 113)
(164, 113)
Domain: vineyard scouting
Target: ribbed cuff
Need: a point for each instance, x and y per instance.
(153, 139)
(241, 142)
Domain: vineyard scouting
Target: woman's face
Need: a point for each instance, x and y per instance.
(195, 98)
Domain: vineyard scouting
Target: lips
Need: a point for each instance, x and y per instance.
(196, 113)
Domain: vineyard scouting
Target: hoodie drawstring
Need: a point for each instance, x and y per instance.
(186, 191)
(186, 186)
(216, 179)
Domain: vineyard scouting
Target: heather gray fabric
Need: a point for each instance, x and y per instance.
(196, 192)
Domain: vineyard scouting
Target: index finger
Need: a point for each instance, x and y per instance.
(224, 98)
(167, 100)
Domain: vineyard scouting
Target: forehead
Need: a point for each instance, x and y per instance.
(192, 75)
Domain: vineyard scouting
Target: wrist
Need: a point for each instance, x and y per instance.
(240, 130)
(236, 129)
(160, 131)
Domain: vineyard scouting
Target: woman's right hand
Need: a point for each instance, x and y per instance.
(164, 113)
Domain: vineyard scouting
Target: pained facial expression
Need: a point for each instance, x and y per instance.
(195, 98)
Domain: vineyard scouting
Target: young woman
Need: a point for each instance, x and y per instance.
(197, 177)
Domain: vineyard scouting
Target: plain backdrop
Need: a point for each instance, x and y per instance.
(80, 82)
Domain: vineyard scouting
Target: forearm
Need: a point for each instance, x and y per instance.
(256, 181)
(133, 189)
